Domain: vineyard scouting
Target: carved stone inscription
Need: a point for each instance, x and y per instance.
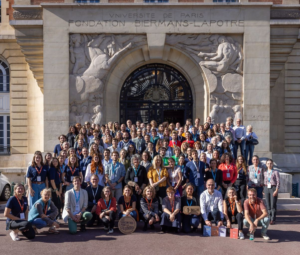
(220, 58)
(159, 19)
(91, 57)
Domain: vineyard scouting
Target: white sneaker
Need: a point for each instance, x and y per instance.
(264, 236)
(111, 231)
(241, 236)
(14, 236)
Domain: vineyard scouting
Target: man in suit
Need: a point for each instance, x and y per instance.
(76, 202)
(196, 168)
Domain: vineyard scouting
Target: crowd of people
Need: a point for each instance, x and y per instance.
(98, 174)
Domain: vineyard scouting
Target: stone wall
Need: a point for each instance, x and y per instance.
(292, 101)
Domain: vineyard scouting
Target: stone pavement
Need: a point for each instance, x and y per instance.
(285, 237)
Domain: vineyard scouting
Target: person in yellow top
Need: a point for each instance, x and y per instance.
(158, 176)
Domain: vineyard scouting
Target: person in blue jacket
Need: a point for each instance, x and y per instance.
(196, 168)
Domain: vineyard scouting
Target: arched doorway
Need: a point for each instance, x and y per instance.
(156, 92)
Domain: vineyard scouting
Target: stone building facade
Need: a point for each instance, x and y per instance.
(71, 62)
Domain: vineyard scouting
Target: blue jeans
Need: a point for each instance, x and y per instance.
(37, 188)
(249, 150)
(39, 223)
(236, 148)
(199, 190)
(133, 214)
(264, 223)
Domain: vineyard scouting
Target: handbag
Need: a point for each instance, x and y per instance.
(255, 142)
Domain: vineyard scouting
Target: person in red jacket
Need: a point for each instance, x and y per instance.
(174, 142)
(188, 139)
(106, 209)
(229, 172)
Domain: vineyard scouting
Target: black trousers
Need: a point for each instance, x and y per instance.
(160, 195)
(223, 190)
(92, 221)
(111, 222)
(57, 202)
(23, 225)
(241, 188)
(238, 219)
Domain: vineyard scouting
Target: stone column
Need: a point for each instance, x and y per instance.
(257, 75)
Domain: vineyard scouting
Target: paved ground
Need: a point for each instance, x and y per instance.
(285, 239)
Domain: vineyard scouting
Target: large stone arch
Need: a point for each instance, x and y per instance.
(139, 57)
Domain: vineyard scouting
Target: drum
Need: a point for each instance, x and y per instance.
(191, 209)
(127, 225)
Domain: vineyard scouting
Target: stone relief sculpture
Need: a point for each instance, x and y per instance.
(221, 60)
(91, 57)
(98, 115)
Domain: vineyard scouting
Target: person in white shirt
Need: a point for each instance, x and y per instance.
(114, 146)
(107, 160)
(240, 135)
(250, 135)
(211, 204)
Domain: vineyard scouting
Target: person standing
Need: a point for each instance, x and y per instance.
(271, 187)
(242, 176)
(139, 142)
(250, 136)
(240, 135)
(214, 173)
(196, 168)
(138, 175)
(256, 177)
(37, 178)
(229, 172)
(114, 175)
(158, 176)
(16, 212)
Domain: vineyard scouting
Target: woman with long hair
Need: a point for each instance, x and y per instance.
(37, 177)
(95, 167)
(242, 176)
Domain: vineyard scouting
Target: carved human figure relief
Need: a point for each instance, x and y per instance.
(91, 58)
(97, 117)
(221, 60)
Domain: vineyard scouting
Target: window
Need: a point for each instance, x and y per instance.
(4, 134)
(4, 77)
